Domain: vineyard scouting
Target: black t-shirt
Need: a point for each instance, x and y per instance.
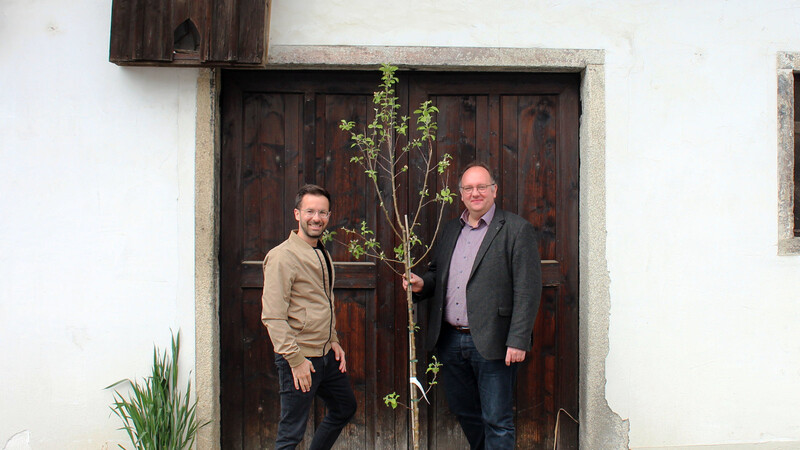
(321, 248)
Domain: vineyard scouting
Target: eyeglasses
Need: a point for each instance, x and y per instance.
(481, 188)
(309, 213)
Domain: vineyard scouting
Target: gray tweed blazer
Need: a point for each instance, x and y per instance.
(504, 287)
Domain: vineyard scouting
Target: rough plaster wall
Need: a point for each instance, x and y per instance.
(95, 190)
(702, 344)
(701, 341)
(96, 221)
(600, 427)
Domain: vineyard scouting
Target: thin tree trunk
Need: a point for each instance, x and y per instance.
(412, 347)
(412, 371)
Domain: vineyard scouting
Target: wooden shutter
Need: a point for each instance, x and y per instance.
(189, 32)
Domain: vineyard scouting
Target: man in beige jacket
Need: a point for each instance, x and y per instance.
(298, 311)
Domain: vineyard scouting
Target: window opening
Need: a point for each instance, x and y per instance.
(186, 38)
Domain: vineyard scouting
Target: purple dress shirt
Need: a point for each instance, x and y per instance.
(467, 245)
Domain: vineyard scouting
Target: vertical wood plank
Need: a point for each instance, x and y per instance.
(199, 13)
(137, 34)
(349, 206)
(536, 378)
(180, 12)
(316, 171)
(157, 31)
(306, 170)
(493, 149)
(261, 404)
(223, 30)
(507, 182)
(292, 163)
(274, 122)
(231, 385)
(253, 19)
(252, 164)
(122, 34)
(537, 173)
(482, 129)
(567, 250)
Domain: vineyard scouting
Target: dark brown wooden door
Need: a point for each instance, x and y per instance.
(280, 130)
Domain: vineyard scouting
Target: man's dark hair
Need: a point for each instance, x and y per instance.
(476, 164)
(310, 189)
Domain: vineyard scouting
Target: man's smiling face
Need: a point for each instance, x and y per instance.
(310, 217)
(478, 203)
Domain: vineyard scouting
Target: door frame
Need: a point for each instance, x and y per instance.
(599, 425)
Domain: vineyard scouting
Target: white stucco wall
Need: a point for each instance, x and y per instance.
(703, 347)
(96, 221)
(96, 205)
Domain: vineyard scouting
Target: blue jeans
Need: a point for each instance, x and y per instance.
(329, 384)
(479, 392)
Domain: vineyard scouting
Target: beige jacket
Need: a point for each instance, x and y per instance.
(297, 302)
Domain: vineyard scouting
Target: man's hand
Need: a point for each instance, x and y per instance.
(302, 375)
(416, 283)
(338, 351)
(514, 355)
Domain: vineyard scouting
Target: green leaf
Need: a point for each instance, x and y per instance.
(434, 366)
(355, 249)
(391, 400)
(365, 229)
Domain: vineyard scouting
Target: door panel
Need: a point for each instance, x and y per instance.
(280, 130)
(525, 128)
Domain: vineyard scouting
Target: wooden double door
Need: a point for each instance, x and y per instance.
(280, 130)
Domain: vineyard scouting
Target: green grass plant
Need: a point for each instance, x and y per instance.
(156, 415)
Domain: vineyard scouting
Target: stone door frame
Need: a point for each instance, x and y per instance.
(600, 427)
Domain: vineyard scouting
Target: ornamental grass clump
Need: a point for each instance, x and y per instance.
(156, 415)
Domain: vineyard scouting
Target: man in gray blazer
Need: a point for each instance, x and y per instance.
(484, 283)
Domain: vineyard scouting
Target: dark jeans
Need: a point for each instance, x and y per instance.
(331, 385)
(479, 392)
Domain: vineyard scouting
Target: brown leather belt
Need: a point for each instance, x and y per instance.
(464, 330)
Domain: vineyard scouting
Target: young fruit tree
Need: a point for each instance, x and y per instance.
(385, 151)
